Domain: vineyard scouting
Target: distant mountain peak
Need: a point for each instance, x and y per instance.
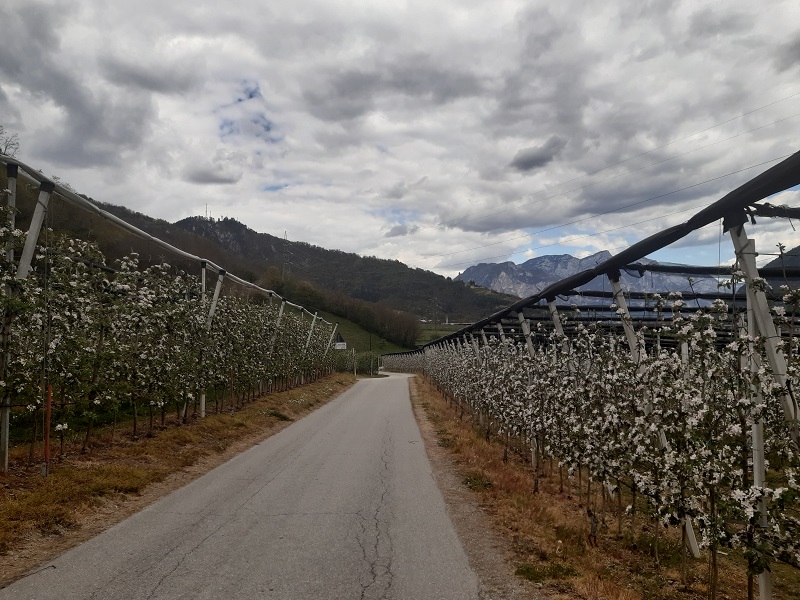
(535, 274)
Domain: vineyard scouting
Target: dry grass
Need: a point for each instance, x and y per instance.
(548, 531)
(32, 505)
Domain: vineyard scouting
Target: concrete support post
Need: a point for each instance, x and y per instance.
(526, 331)
(746, 248)
(45, 191)
(310, 333)
(746, 257)
(551, 305)
(277, 326)
(476, 349)
(627, 324)
(23, 268)
(5, 409)
(636, 355)
(330, 339)
(203, 267)
(556, 318)
(215, 299)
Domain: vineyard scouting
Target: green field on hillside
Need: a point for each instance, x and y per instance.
(431, 331)
(360, 339)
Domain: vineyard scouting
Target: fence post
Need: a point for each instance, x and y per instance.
(526, 330)
(48, 412)
(215, 299)
(46, 189)
(330, 339)
(5, 410)
(746, 255)
(310, 331)
(622, 310)
(747, 248)
(203, 266)
(636, 355)
(475, 348)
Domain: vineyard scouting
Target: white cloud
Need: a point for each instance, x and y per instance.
(341, 123)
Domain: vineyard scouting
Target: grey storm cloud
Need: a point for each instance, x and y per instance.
(204, 177)
(350, 94)
(788, 55)
(401, 229)
(492, 106)
(164, 79)
(710, 22)
(96, 126)
(529, 159)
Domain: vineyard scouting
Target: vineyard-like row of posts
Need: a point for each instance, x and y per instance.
(689, 411)
(675, 432)
(89, 342)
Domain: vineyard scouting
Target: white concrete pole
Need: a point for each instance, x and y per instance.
(215, 299)
(746, 255)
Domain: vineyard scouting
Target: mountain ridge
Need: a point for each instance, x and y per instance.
(531, 277)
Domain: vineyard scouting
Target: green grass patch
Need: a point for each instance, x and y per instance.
(477, 481)
(279, 415)
(541, 573)
(359, 338)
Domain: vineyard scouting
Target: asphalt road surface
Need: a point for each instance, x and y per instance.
(341, 504)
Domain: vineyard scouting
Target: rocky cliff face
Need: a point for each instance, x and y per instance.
(534, 275)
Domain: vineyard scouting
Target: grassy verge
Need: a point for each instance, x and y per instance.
(120, 464)
(548, 530)
(357, 337)
(432, 331)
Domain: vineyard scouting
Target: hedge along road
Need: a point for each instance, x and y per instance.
(341, 504)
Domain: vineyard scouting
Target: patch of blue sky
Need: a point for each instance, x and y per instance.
(265, 129)
(228, 127)
(702, 254)
(250, 90)
(274, 187)
(397, 215)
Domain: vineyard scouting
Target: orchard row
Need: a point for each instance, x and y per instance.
(141, 340)
(676, 431)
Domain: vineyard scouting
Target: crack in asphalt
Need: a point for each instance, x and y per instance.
(185, 555)
(375, 529)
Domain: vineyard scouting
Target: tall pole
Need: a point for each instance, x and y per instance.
(46, 189)
(203, 266)
(636, 356)
(5, 410)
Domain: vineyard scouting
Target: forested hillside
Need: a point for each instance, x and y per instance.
(383, 296)
(390, 282)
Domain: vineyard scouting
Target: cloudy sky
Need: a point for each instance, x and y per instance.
(437, 133)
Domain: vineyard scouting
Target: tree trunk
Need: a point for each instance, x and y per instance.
(135, 416)
(656, 537)
(713, 572)
(85, 446)
(684, 561)
(633, 512)
(33, 435)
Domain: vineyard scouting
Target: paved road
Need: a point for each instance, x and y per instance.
(341, 504)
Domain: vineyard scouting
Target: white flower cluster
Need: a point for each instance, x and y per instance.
(138, 337)
(678, 431)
